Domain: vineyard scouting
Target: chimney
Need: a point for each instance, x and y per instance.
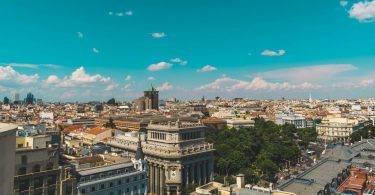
(240, 178)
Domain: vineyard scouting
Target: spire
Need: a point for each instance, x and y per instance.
(139, 153)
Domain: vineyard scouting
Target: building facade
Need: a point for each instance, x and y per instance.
(129, 177)
(338, 128)
(7, 150)
(176, 153)
(151, 97)
(295, 119)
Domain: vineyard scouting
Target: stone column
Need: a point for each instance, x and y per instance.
(199, 173)
(157, 179)
(168, 190)
(193, 174)
(204, 172)
(151, 178)
(211, 170)
(162, 175)
(187, 167)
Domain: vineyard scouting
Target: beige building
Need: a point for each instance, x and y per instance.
(338, 128)
(7, 150)
(177, 155)
(36, 168)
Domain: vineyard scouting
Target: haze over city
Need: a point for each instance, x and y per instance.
(94, 50)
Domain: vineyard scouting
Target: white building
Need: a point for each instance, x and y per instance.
(289, 118)
(240, 122)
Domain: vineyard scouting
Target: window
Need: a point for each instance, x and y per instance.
(135, 178)
(93, 188)
(36, 168)
(83, 191)
(21, 171)
(24, 185)
(111, 193)
(111, 184)
(38, 182)
(102, 186)
(135, 187)
(49, 166)
(119, 182)
(127, 180)
(51, 179)
(24, 159)
(143, 185)
(143, 176)
(127, 189)
(119, 192)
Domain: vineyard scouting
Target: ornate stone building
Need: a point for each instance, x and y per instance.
(177, 155)
(151, 97)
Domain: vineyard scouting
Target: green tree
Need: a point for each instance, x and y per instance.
(110, 124)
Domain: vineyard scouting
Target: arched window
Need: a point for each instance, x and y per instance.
(36, 168)
(21, 171)
(49, 166)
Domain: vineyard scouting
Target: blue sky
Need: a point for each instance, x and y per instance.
(96, 49)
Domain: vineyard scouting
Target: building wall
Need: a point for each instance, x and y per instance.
(7, 150)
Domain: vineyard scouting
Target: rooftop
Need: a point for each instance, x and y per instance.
(4, 127)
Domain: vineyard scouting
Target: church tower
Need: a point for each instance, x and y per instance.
(139, 161)
(151, 99)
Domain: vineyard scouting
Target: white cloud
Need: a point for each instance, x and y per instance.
(227, 84)
(52, 79)
(78, 78)
(95, 50)
(150, 78)
(120, 14)
(207, 68)
(111, 87)
(344, 3)
(8, 74)
(158, 34)
(273, 53)
(110, 13)
(51, 66)
(33, 66)
(308, 73)
(80, 35)
(129, 13)
(128, 78)
(363, 11)
(165, 87)
(159, 66)
(180, 61)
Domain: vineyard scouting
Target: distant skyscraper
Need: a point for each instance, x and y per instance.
(16, 97)
(29, 99)
(151, 98)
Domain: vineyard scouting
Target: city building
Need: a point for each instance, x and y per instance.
(7, 151)
(290, 118)
(240, 123)
(37, 171)
(338, 128)
(131, 124)
(117, 178)
(151, 99)
(176, 153)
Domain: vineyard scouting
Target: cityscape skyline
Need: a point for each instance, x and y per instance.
(82, 51)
